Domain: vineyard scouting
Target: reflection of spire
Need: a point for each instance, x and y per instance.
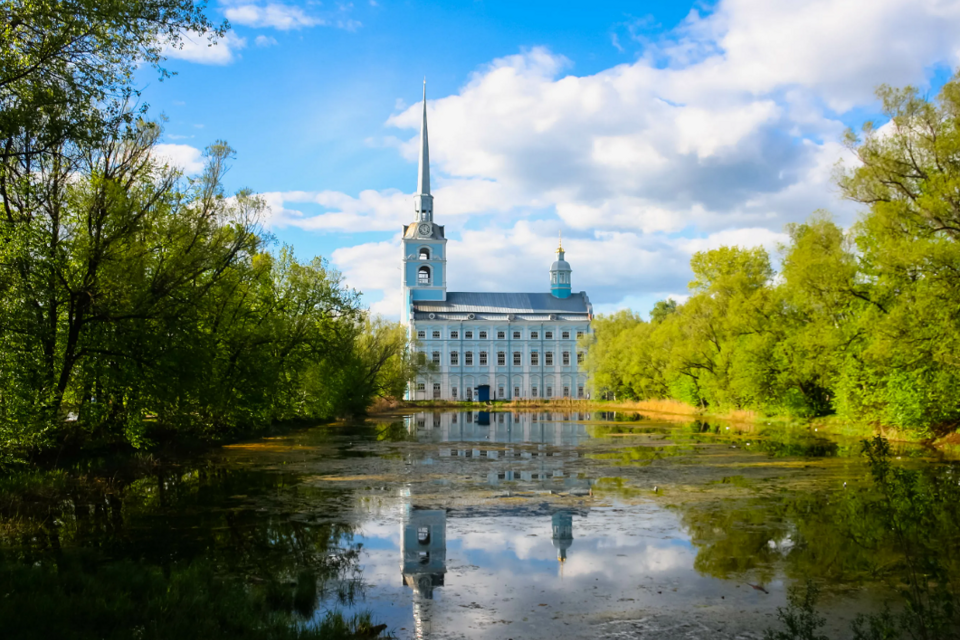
(562, 535)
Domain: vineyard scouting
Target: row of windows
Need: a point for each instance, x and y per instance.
(501, 335)
(502, 358)
(534, 391)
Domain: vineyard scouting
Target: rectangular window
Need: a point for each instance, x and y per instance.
(534, 335)
(501, 358)
(549, 335)
(516, 392)
(483, 358)
(436, 357)
(468, 358)
(548, 358)
(453, 418)
(566, 392)
(516, 335)
(454, 358)
(566, 358)
(501, 335)
(421, 386)
(580, 391)
(565, 335)
(453, 392)
(483, 335)
(436, 335)
(454, 335)
(549, 392)
(579, 357)
(421, 335)
(436, 390)
(533, 394)
(499, 392)
(469, 413)
(579, 334)
(516, 359)
(468, 335)
(535, 359)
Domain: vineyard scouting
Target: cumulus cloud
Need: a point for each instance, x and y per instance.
(182, 156)
(288, 17)
(201, 49)
(274, 15)
(719, 132)
(265, 41)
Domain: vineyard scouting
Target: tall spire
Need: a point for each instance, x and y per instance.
(423, 201)
(423, 180)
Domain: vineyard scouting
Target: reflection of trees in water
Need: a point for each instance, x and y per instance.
(836, 538)
(801, 536)
(394, 432)
(204, 514)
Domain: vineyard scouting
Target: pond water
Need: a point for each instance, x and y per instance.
(500, 525)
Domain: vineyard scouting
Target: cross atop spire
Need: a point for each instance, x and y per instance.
(423, 179)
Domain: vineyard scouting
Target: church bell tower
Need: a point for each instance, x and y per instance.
(424, 245)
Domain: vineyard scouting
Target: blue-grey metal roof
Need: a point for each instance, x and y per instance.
(466, 302)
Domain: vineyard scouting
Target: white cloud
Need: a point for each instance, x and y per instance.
(194, 47)
(265, 41)
(719, 133)
(278, 16)
(183, 156)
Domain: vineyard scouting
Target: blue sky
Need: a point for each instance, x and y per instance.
(646, 131)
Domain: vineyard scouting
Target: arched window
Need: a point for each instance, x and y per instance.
(424, 253)
(423, 275)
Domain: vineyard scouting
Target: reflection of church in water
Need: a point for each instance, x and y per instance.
(423, 545)
(423, 548)
(423, 542)
(508, 447)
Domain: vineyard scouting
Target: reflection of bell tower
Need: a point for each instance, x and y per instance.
(423, 541)
(562, 533)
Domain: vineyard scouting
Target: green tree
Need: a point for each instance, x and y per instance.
(67, 66)
(908, 176)
(662, 309)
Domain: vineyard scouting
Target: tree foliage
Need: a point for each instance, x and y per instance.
(863, 322)
(135, 300)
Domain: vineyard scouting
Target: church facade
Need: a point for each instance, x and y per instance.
(487, 346)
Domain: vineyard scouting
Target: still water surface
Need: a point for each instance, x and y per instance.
(507, 525)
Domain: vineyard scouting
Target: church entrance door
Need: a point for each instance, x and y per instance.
(483, 393)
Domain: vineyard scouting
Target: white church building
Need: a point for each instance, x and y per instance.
(487, 346)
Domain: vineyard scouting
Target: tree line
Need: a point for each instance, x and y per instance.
(135, 299)
(862, 322)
